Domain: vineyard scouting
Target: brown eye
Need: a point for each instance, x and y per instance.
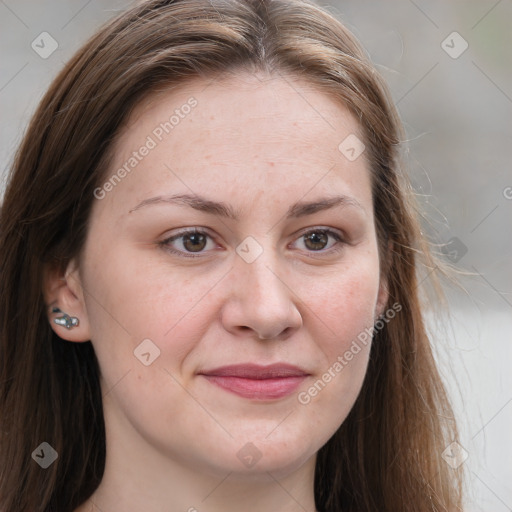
(322, 241)
(194, 242)
(191, 243)
(316, 240)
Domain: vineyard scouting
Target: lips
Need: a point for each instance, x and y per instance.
(255, 381)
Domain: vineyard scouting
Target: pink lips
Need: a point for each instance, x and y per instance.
(257, 382)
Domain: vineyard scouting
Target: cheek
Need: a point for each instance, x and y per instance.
(131, 300)
(345, 315)
(345, 304)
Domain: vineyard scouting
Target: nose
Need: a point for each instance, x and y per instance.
(260, 301)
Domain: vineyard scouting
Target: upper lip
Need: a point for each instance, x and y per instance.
(254, 371)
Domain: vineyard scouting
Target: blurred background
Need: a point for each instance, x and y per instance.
(449, 67)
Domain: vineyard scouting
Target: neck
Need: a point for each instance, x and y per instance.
(196, 494)
(144, 478)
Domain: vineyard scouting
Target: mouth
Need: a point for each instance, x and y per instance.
(257, 382)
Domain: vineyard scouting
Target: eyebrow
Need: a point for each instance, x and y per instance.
(202, 204)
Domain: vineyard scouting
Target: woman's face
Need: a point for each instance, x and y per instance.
(284, 271)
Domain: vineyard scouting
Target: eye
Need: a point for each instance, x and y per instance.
(192, 243)
(188, 241)
(316, 240)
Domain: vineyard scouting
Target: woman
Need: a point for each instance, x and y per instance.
(209, 291)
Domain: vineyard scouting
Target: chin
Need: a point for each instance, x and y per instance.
(254, 457)
(278, 465)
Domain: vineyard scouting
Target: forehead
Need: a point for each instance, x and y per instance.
(239, 111)
(246, 130)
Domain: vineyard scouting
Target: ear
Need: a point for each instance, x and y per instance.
(65, 292)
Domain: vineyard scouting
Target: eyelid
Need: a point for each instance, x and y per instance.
(181, 233)
(339, 236)
(327, 229)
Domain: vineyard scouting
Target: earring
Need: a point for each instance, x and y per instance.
(65, 320)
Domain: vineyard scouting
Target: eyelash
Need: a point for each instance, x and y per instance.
(194, 231)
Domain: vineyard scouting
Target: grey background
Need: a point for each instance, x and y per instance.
(457, 114)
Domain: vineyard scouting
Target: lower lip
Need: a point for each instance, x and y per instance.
(259, 389)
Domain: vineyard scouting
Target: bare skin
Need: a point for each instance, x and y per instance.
(176, 440)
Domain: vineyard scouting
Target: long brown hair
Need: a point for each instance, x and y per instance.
(386, 456)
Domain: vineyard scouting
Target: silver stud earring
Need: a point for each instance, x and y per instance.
(65, 320)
